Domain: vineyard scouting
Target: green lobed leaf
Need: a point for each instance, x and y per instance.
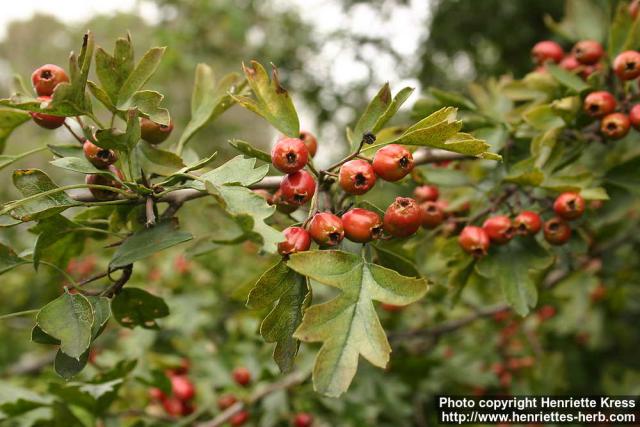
(249, 150)
(9, 120)
(158, 161)
(348, 325)
(147, 242)
(136, 307)
(512, 268)
(542, 117)
(271, 100)
(118, 140)
(567, 78)
(147, 102)
(238, 171)
(81, 165)
(143, 71)
(68, 318)
(113, 70)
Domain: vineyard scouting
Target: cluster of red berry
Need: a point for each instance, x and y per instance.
(44, 80)
(179, 402)
(500, 229)
(584, 58)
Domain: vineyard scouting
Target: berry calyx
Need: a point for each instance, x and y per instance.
(326, 229)
(303, 419)
(588, 52)
(361, 225)
(241, 376)
(615, 125)
(499, 229)
(527, 223)
(239, 418)
(634, 116)
(297, 240)
(599, 104)
(356, 176)
(547, 50)
(474, 240)
(281, 205)
(46, 78)
(47, 121)
(402, 218)
(96, 179)
(310, 141)
(181, 387)
(569, 206)
(392, 162)
(298, 188)
(154, 133)
(289, 155)
(226, 401)
(426, 193)
(627, 65)
(99, 157)
(432, 214)
(556, 231)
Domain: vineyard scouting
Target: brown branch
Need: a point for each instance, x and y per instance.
(289, 381)
(119, 284)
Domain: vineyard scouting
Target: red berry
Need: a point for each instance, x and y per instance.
(392, 162)
(499, 229)
(181, 387)
(281, 205)
(297, 240)
(242, 376)
(303, 419)
(432, 214)
(527, 222)
(546, 312)
(474, 240)
(357, 176)
(154, 133)
(634, 116)
(99, 157)
(547, 50)
(46, 78)
(615, 125)
(403, 217)
(556, 231)
(310, 141)
(588, 52)
(156, 394)
(95, 179)
(569, 63)
(47, 121)
(634, 6)
(627, 65)
(588, 70)
(226, 401)
(298, 188)
(426, 193)
(326, 229)
(361, 225)
(599, 104)
(239, 418)
(289, 155)
(175, 407)
(569, 206)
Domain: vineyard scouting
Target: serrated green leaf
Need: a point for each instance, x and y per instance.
(512, 269)
(271, 100)
(136, 307)
(542, 117)
(158, 161)
(68, 318)
(238, 170)
(143, 71)
(249, 150)
(32, 182)
(147, 102)
(118, 140)
(348, 325)
(113, 70)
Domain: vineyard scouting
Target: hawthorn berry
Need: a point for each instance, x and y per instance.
(303, 419)
(289, 155)
(627, 65)
(46, 78)
(392, 162)
(47, 121)
(154, 133)
(474, 240)
(297, 240)
(241, 376)
(634, 116)
(546, 312)
(326, 229)
(297, 188)
(226, 401)
(599, 104)
(569, 63)
(556, 231)
(99, 157)
(426, 193)
(356, 176)
(588, 70)
(361, 225)
(547, 50)
(96, 179)
(402, 218)
(432, 214)
(527, 223)
(499, 228)
(182, 387)
(615, 125)
(310, 141)
(569, 206)
(634, 6)
(239, 418)
(176, 407)
(156, 394)
(281, 205)
(588, 52)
